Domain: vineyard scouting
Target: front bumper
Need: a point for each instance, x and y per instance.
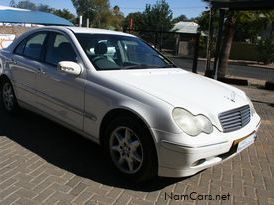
(177, 157)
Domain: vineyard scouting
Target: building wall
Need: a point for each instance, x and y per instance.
(17, 30)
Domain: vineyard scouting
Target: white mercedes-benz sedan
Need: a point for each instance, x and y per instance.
(151, 117)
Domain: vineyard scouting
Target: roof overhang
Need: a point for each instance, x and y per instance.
(11, 15)
(243, 4)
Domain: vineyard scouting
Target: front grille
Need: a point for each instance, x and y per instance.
(235, 119)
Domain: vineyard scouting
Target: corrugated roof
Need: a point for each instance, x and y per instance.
(185, 27)
(11, 15)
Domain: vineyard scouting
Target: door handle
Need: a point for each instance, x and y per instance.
(13, 61)
(41, 71)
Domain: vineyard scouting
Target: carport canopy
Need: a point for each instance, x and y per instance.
(14, 15)
(242, 4)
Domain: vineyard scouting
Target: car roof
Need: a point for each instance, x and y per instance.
(75, 29)
(66, 28)
(96, 31)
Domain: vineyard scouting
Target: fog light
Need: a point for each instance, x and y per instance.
(198, 162)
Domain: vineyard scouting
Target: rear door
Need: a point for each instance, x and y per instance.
(25, 66)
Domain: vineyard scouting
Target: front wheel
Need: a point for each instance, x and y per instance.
(131, 149)
(8, 97)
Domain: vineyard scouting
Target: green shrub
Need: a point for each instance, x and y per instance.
(243, 51)
(265, 50)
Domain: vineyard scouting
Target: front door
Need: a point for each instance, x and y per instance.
(61, 95)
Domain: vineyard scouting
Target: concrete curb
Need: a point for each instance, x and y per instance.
(269, 85)
(232, 62)
(234, 81)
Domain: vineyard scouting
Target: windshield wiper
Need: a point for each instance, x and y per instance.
(170, 65)
(139, 66)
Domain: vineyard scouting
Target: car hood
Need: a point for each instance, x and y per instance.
(198, 94)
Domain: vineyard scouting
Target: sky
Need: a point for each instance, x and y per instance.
(190, 8)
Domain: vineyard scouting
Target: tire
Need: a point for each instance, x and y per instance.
(8, 98)
(131, 149)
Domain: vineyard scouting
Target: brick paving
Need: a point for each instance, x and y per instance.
(44, 163)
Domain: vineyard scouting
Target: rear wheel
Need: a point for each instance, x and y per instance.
(131, 149)
(8, 97)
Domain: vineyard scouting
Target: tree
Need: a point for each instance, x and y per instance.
(35, 7)
(136, 18)
(230, 25)
(203, 21)
(158, 17)
(242, 25)
(180, 18)
(84, 8)
(117, 19)
(64, 13)
(44, 8)
(98, 11)
(26, 5)
(151, 23)
(250, 24)
(233, 20)
(265, 49)
(116, 10)
(12, 3)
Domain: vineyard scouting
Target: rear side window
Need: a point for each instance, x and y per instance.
(34, 45)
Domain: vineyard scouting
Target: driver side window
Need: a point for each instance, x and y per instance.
(60, 49)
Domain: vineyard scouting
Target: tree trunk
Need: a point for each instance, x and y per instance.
(229, 31)
(208, 71)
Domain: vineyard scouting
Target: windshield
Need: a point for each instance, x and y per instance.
(115, 52)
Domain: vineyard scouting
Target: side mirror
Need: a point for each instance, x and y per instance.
(69, 67)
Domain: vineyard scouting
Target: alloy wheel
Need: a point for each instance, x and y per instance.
(126, 150)
(8, 96)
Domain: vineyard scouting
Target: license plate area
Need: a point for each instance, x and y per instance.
(245, 142)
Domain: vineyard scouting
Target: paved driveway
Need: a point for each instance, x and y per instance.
(42, 162)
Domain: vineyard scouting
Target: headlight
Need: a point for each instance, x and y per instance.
(191, 124)
(252, 109)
